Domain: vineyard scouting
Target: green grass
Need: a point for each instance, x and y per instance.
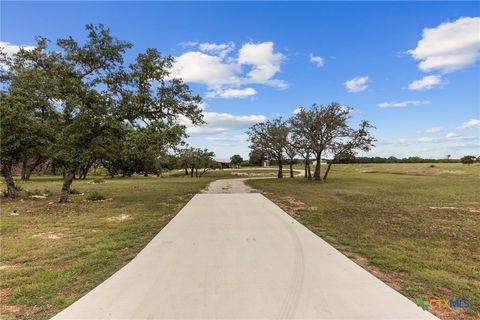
(52, 254)
(417, 224)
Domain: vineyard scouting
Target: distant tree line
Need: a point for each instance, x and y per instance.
(392, 159)
(77, 106)
(256, 157)
(311, 134)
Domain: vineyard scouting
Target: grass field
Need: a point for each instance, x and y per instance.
(51, 254)
(415, 226)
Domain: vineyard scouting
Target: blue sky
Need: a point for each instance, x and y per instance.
(411, 68)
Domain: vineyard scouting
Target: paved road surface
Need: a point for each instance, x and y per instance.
(239, 256)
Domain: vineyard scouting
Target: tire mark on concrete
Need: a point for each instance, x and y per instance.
(292, 297)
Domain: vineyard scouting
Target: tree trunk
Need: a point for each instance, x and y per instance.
(86, 168)
(145, 170)
(67, 182)
(291, 169)
(306, 167)
(204, 170)
(186, 171)
(7, 174)
(28, 169)
(316, 174)
(280, 169)
(309, 171)
(54, 167)
(45, 169)
(24, 170)
(196, 172)
(110, 171)
(191, 172)
(28, 173)
(328, 170)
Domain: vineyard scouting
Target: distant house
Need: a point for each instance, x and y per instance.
(225, 163)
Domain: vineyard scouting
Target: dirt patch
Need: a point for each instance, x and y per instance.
(17, 311)
(471, 210)
(121, 217)
(253, 174)
(9, 309)
(8, 267)
(228, 186)
(291, 205)
(49, 235)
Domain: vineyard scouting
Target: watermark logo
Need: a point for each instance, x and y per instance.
(443, 303)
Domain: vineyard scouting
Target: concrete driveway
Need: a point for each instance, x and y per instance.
(239, 256)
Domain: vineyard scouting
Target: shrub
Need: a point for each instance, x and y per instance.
(468, 159)
(95, 196)
(35, 192)
(74, 191)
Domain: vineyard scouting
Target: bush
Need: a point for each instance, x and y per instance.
(98, 181)
(95, 196)
(432, 166)
(468, 159)
(74, 191)
(35, 192)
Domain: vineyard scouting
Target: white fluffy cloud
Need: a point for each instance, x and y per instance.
(403, 104)
(357, 84)
(451, 136)
(10, 49)
(223, 122)
(263, 61)
(216, 66)
(474, 123)
(220, 49)
(426, 83)
(232, 93)
(398, 142)
(198, 67)
(319, 61)
(450, 46)
(234, 138)
(425, 139)
(434, 130)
